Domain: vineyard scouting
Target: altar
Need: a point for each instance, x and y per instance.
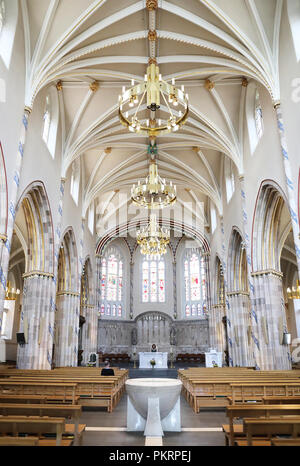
(161, 360)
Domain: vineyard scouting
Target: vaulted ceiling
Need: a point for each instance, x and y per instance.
(97, 46)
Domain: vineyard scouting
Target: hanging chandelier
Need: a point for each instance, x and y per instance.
(153, 92)
(11, 293)
(154, 192)
(294, 293)
(153, 239)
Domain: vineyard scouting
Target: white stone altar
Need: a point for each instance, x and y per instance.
(153, 405)
(213, 358)
(161, 360)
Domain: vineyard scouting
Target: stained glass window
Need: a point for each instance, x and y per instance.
(153, 281)
(195, 284)
(112, 283)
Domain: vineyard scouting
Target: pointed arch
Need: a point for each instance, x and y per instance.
(237, 263)
(35, 204)
(266, 227)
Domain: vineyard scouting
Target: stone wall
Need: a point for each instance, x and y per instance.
(149, 328)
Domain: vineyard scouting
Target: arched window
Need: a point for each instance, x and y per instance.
(50, 120)
(213, 218)
(293, 9)
(2, 14)
(47, 120)
(8, 25)
(112, 284)
(195, 284)
(258, 116)
(229, 178)
(153, 281)
(91, 218)
(75, 181)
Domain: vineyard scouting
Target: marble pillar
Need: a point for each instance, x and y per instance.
(240, 320)
(67, 329)
(271, 319)
(37, 322)
(5, 243)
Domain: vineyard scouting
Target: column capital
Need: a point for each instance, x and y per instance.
(267, 272)
(68, 293)
(245, 82)
(38, 273)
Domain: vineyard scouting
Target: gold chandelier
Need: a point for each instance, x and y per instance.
(294, 293)
(153, 91)
(153, 239)
(154, 192)
(11, 293)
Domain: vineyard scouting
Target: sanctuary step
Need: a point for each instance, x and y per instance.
(152, 373)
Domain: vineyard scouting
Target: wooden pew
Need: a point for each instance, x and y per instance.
(254, 411)
(259, 390)
(215, 393)
(272, 400)
(19, 441)
(33, 425)
(44, 399)
(100, 391)
(285, 442)
(21, 387)
(271, 427)
(66, 411)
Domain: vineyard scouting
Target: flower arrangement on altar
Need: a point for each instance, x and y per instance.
(152, 362)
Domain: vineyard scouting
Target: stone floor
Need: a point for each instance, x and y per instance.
(109, 429)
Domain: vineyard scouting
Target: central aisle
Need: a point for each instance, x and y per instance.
(109, 429)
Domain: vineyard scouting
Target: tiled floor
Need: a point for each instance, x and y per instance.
(209, 423)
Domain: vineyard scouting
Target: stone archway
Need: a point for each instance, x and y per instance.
(37, 316)
(271, 219)
(67, 303)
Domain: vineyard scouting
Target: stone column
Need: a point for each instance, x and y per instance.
(271, 318)
(131, 289)
(239, 318)
(37, 322)
(291, 188)
(5, 243)
(66, 353)
(255, 352)
(231, 348)
(217, 336)
(98, 285)
(174, 289)
(89, 331)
